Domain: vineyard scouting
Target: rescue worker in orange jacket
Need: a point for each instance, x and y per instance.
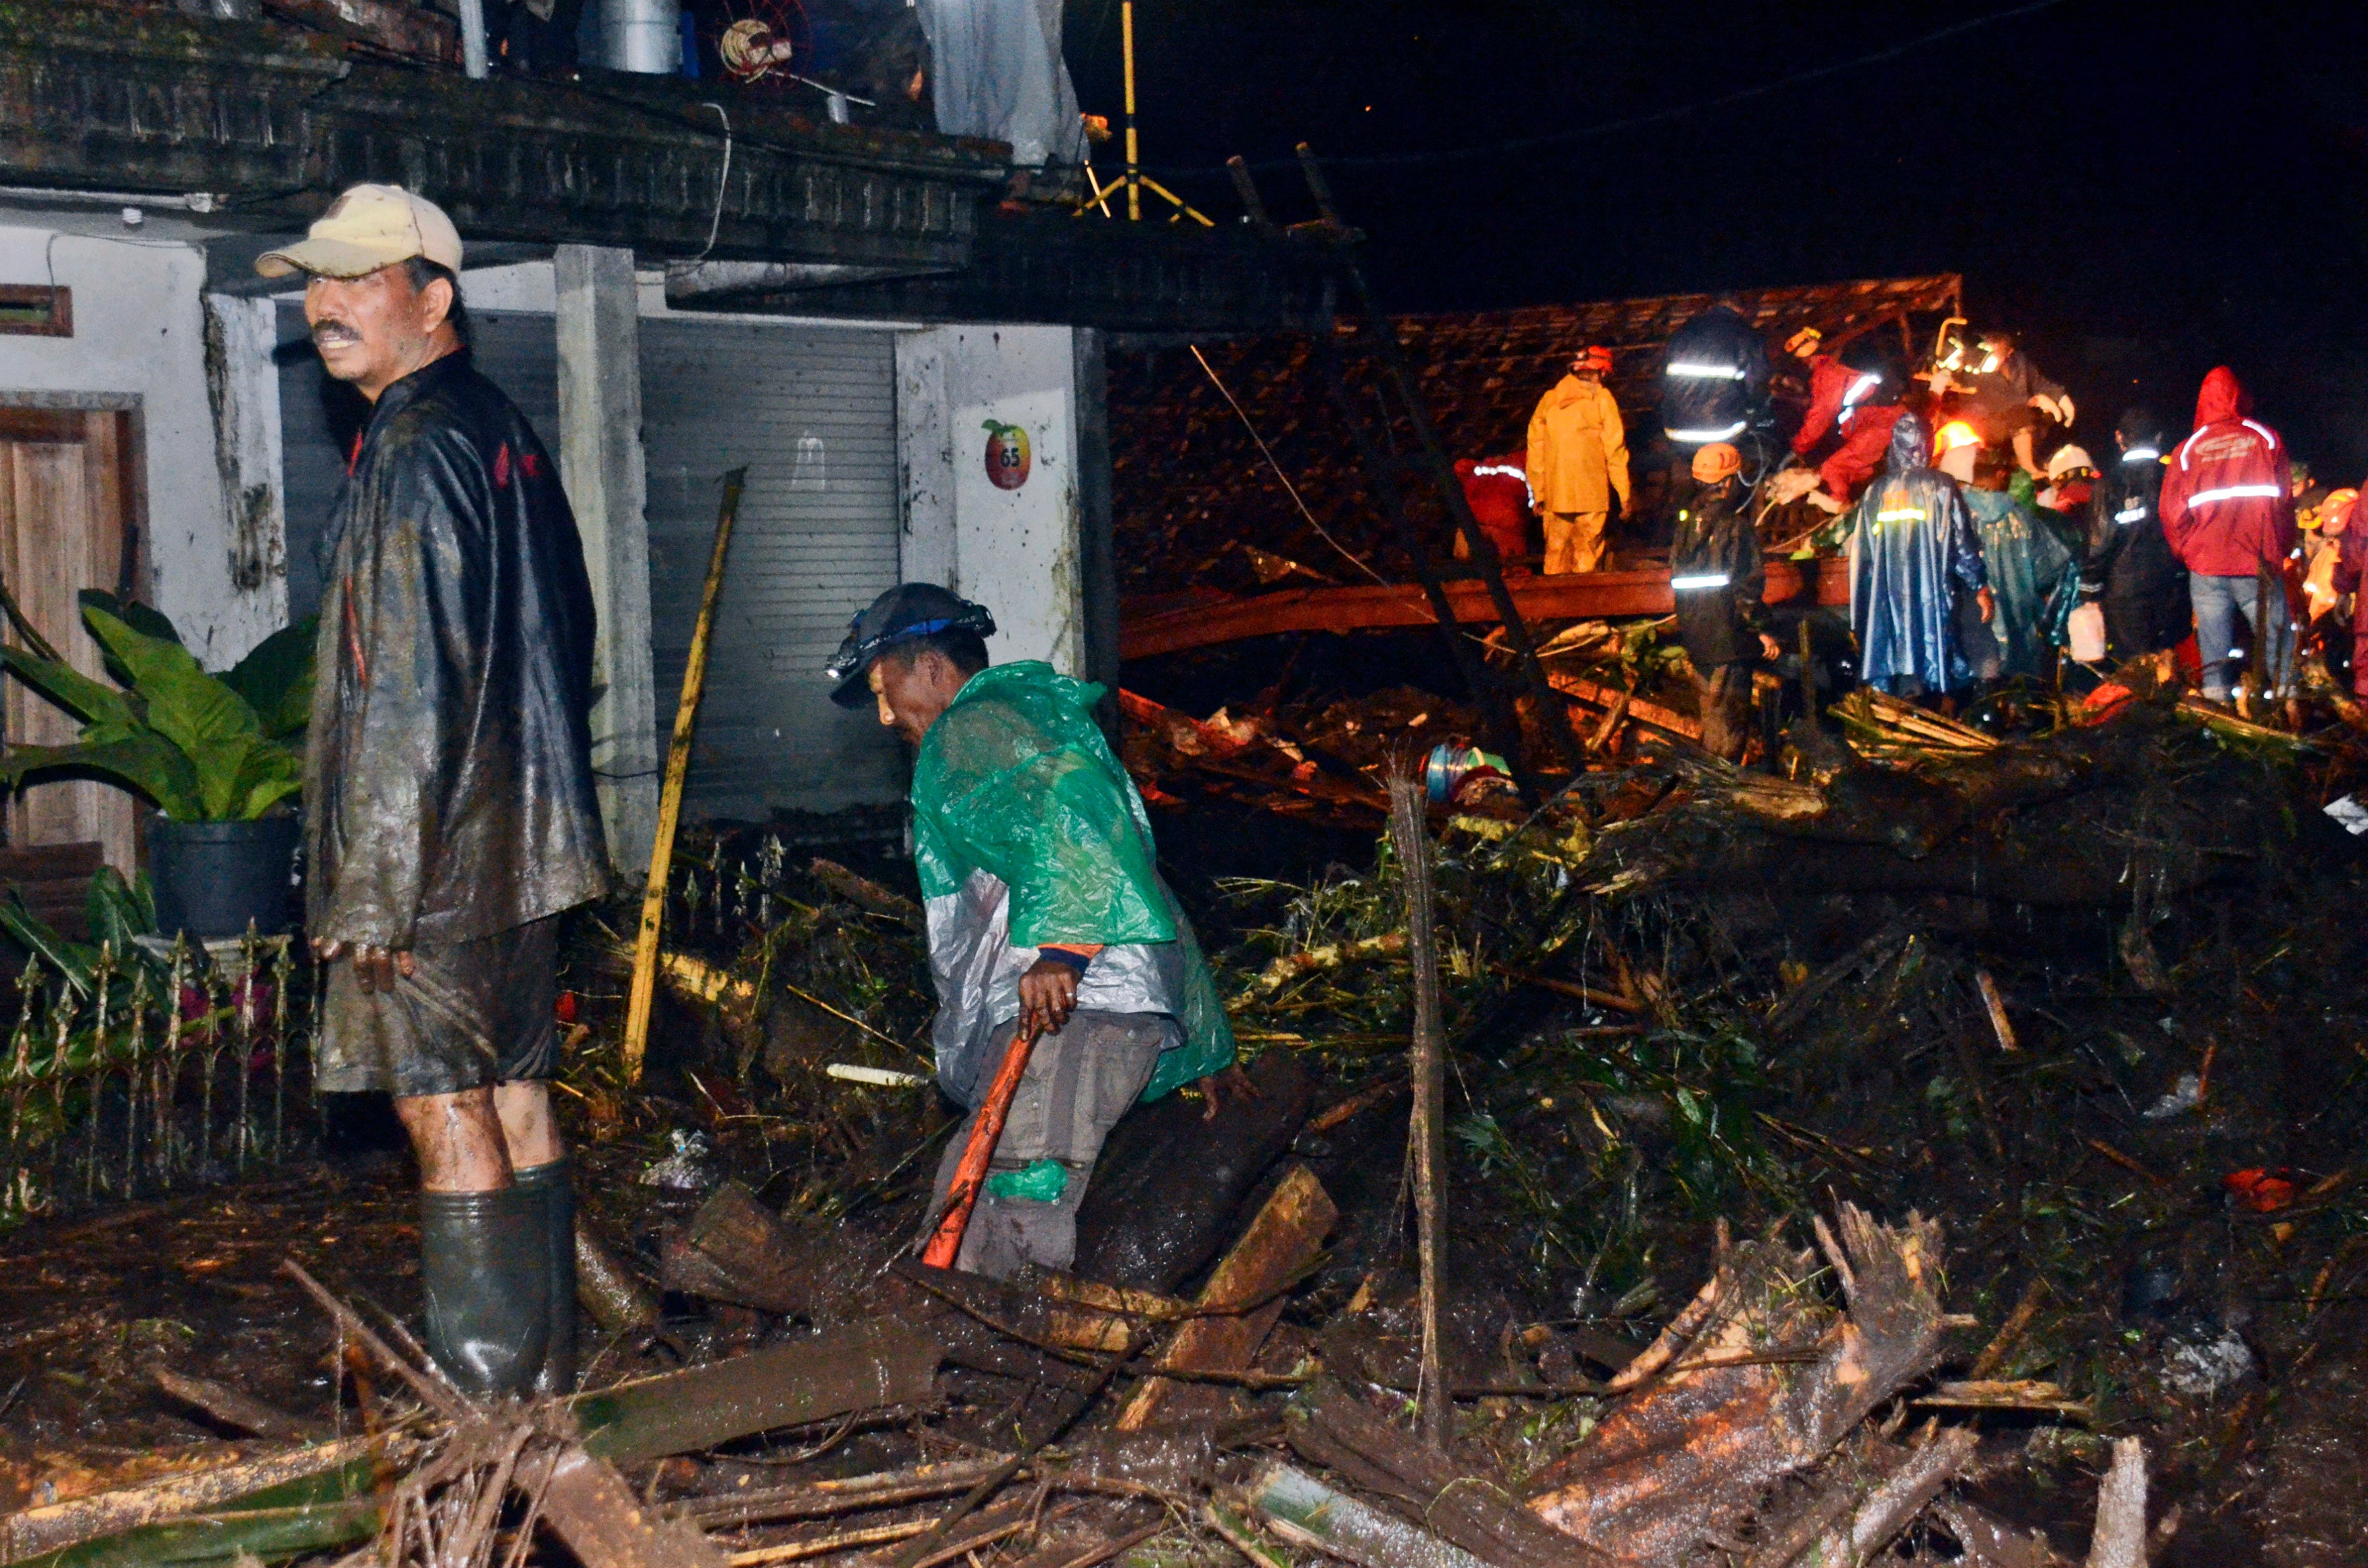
(1577, 462)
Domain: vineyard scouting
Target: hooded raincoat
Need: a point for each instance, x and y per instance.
(1026, 830)
(2127, 564)
(1578, 449)
(447, 778)
(2033, 577)
(2227, 500)
(1914, 554)
(1714, 377)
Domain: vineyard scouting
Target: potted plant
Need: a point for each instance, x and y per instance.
(216, 754)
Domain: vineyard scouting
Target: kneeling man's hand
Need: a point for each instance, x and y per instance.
(1048, 995)
(1217, 1086)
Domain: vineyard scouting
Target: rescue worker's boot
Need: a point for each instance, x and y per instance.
(485, 1271)
(555, 1188)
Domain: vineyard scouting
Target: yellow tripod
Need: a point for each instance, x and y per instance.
(1134, 182)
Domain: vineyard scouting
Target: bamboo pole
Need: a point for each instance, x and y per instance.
(686, 718)
(1427, 1131)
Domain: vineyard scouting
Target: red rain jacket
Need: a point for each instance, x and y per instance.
(2227, 506)
(1830, 382)
(1866, 436)
(1499, 492)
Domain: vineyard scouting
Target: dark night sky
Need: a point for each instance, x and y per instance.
(2142, 191)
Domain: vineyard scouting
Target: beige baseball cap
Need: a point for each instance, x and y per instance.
(369, 227)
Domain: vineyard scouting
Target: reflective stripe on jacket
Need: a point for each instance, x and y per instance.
(2227, 507)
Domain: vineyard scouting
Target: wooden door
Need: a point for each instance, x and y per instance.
(66, 504)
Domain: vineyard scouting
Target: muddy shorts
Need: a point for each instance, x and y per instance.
(470, 1015)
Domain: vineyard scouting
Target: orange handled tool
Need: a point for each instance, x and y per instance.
(985, 1133)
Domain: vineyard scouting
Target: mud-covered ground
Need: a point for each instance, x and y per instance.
(2156, 1200)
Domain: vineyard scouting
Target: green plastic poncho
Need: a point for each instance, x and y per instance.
(2033, 574)
(1015, 781)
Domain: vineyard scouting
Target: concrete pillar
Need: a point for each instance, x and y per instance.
(1097, 559)
(242, 385)
(1015, 550)
(598, 328)
(928, 551)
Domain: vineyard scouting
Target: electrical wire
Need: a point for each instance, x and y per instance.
(722, 183)
(1630, 123)
(1289, 489)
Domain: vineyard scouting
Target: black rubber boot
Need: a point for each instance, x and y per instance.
(554, 1186)
(485, 1271)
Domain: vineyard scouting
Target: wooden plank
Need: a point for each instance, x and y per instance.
(51, 862)
(863, 1366)
(1281, 1243)
(1668, 720)
(592, 1510)
(1586, 596)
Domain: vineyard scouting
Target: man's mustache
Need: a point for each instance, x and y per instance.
(331, 332)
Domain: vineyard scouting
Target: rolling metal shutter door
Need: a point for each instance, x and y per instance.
(318, 419)
(811, 412)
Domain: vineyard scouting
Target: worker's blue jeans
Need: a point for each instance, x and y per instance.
(2218, 602)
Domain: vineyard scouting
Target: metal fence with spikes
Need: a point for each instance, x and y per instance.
(154, 1069)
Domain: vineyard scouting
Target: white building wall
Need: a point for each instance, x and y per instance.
(1014, 550)
(139, 332)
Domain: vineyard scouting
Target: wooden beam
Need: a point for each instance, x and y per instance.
(1586, 596)
(1286, 1237)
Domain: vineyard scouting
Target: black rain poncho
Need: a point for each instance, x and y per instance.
(447, 778)
(2127, 564)
(1714, 377)
(1717, 579)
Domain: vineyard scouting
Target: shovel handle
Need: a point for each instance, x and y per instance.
(985, 1133)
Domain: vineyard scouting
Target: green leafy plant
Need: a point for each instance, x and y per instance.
(118, 914)
(203, 747)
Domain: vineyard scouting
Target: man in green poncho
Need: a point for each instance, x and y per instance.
(1045, 911)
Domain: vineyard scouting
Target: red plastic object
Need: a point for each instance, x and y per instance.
(2264, 1192)
(2104, 702)
(945, 1241)
(567, 1007)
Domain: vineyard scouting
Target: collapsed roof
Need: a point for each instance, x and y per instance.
(1196, 504)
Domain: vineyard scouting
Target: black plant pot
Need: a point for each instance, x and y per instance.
(213, 878)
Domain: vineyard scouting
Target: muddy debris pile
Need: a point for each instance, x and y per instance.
(1945, 1150)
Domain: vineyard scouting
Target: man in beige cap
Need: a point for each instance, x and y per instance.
(450, 813)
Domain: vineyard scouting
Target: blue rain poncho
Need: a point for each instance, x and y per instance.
(2033, 575)
(1914, 555)
(1026, 830)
